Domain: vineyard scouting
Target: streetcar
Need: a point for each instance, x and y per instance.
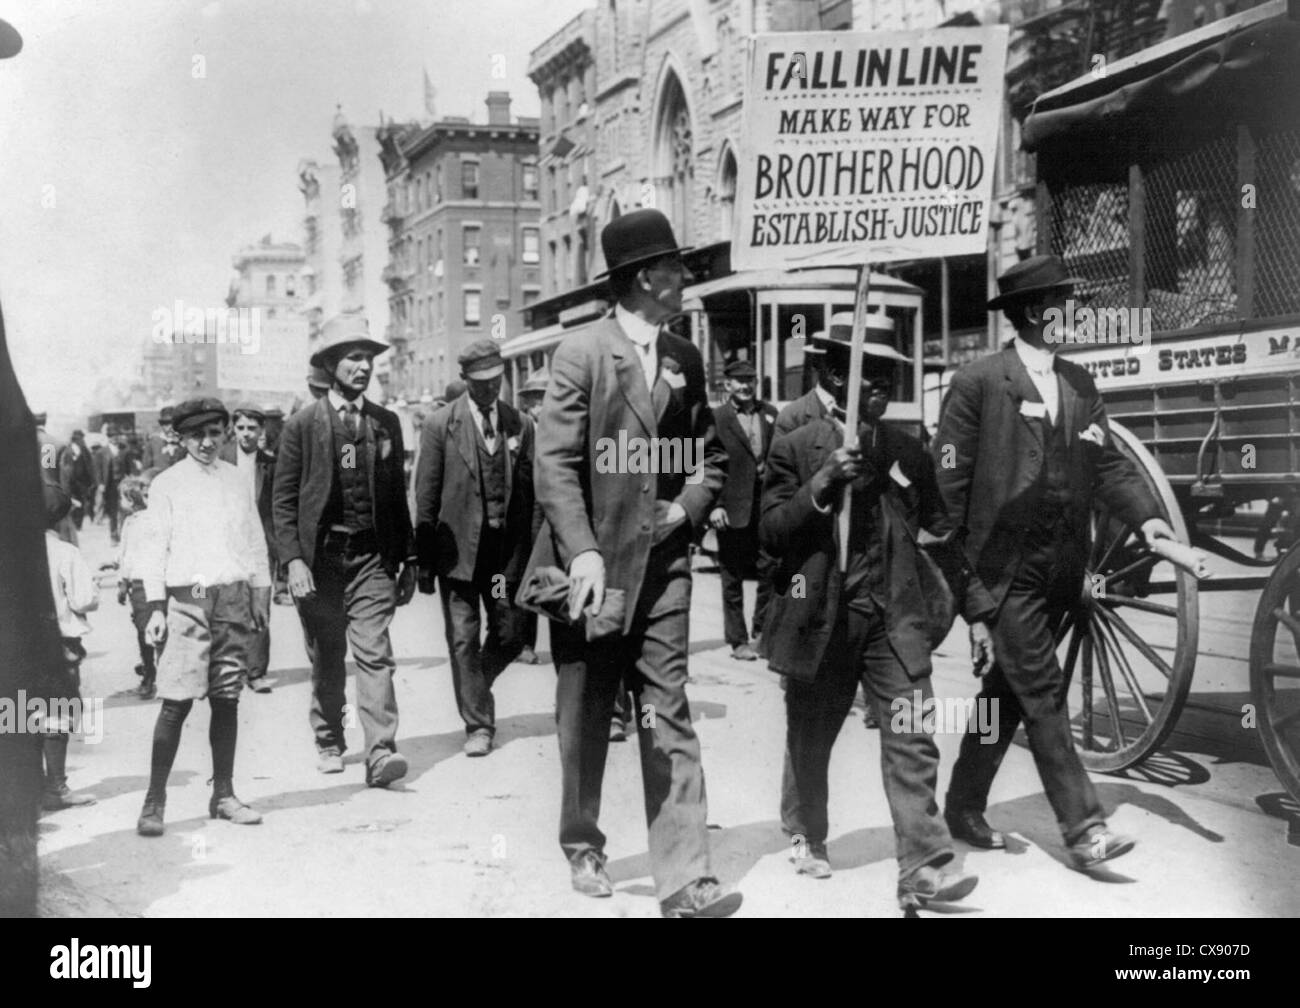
(1171, 184)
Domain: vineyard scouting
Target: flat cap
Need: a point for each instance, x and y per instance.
(196, 412)
(481, 360)
(741, 370)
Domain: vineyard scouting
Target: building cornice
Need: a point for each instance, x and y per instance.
(440, 132)
(614, 86)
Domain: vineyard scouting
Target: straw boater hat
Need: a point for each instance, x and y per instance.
(537, 382)
(341, 333)
(877, 339)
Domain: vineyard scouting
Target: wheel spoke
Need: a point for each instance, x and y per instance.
(1279, 671)
(1148, 560)
(1285, 719)
(1109, 638)
(1291, 622)
(1125, 533)
(1112, 701)
(1136, 603)
(1145, 649)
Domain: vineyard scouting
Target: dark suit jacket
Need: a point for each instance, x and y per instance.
(743, 479)
(989, 459)
(304, 469)
(805, 541)
(596, 393)
(804, 410)
(155, 454)
(263, 480)
(448, 498)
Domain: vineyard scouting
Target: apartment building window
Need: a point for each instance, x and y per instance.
(473, 306)
(471, 236)
(530, 181)
(555, 265)
(532, 245)
(469, 179)
(531, 294)
(270, 285)
(290, 285)
(568, 262)
(441, 312)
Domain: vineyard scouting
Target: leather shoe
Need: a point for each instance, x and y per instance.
(328, 761)
(814, 864)
(743, 652)
(150, 822)
(259, 685)
(53, 800)
(231, 808)
(929, 884)
(970, 827)
(702, 898)
(388, 770)
(589, 877)
(479, 743)
(617, 730)
(1099, 844)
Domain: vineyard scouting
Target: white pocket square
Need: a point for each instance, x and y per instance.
(673, 379)
(1033, 409)
(1094, 434)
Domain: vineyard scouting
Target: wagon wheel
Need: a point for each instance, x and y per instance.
(1275, 670)
(1129, 648)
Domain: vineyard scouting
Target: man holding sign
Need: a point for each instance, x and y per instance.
(1022, 449)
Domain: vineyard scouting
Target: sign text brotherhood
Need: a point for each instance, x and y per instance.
(865, 147)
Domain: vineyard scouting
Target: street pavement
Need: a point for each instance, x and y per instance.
(477, 837)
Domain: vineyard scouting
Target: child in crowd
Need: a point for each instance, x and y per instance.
(75, 594)
(134, 499)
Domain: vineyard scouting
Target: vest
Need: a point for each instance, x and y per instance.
(1056, 469)
(349, 501)
(492, 477)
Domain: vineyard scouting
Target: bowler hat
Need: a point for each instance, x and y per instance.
(1031, 276)
(537, 382)
(877, 337)
(740, 370)
(636, 238)
(481, 360)
(196, 412)
(342, 333)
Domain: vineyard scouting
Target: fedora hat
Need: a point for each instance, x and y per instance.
(348, 330)
(877, 337)
(1032, 276)
(637, 238)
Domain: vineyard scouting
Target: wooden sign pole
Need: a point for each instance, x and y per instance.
(854, 398)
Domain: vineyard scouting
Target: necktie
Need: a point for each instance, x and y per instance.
(350, 418)
(488, 432)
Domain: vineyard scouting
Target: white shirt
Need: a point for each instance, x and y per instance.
(644, 336)
(134, 535)
(339, 404)
(246, 463)
(74, 587)
(1041, 365)
(477, 413)
(203, 529)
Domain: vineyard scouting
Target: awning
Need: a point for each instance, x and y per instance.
(1246, 76)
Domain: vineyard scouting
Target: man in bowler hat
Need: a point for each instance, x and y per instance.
(474, 512)
(628, 375)
(1023, 448)
(745, 426)
(343, 532)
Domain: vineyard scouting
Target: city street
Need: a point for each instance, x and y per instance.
(476, 837)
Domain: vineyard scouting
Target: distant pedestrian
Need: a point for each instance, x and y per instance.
(75, 594)
(474, 528)
(51, 451)
(247, 452)
(77, 476)
(530, 401)
(134, 495)
(343, 531)
(745, 427)
(162, 448)
(204, 569)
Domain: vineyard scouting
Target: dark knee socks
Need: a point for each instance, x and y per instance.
(222, 733)
(166, 740)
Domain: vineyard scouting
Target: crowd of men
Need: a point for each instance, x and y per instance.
(856, 538)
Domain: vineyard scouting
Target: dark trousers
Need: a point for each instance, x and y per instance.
(475, 665)
(652, 661)
(909, 760)
(140, 619)
(354, 603)
(739, 558)
(1027, 684)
